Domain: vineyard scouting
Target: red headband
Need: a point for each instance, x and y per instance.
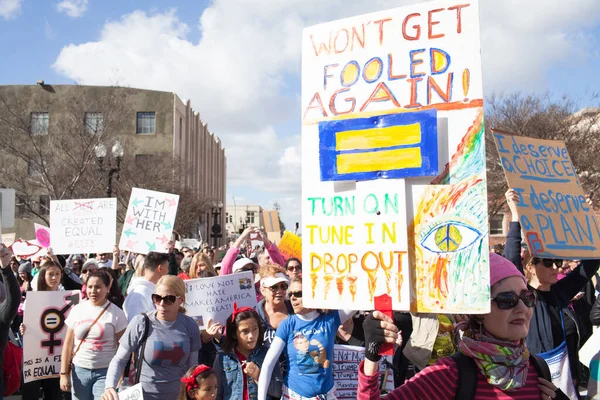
(190, 381)
(237, 310)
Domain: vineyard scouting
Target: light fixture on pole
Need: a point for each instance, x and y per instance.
(117, 152)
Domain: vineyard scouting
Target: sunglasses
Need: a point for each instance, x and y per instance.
(297, 294)
(508, 300)
(546, 262)
(168, 300)
(295, 268)
(279, 286)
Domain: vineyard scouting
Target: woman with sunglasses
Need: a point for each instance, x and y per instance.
(493, 347)
(307, 340)
(171, 347)
(293, 268)
(553, 321)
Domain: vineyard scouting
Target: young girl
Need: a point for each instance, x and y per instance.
(94, 329)
(199, 383)
(242, 352)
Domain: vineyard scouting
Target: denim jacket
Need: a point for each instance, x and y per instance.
(230, 375)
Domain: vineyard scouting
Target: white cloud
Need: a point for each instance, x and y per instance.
(73, 8)
(242, 75)
(10, 8)
(48, 31)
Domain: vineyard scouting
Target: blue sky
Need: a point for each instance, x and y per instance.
(239, 63)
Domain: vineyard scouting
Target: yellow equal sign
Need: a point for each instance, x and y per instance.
(379, 149)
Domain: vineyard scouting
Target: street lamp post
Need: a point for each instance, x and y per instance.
(216, 228)
(117, 152)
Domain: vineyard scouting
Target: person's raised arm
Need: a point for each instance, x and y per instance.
(9, 307)
(271, 248)
(512, 250)
(271, 360)
(232, 253)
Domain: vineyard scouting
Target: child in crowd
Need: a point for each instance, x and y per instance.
(199, 383)
(242, 352)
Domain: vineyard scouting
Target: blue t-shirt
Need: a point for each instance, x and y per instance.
(309, 350)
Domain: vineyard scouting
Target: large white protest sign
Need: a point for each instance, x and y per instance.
(149, 221)
(132, 393)
(345, 370)
(213, 298)
(44, 320)
(83, 226)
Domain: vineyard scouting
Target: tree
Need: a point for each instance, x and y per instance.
(545, 117)
(277, 207)
(51, 156)
(54, 157)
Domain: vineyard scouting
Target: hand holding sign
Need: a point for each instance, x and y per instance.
(512, 199)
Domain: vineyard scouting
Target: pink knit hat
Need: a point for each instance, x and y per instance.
(501, 268)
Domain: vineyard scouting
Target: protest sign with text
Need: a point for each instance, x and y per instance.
(345, 370)
(554, 214)
(132, 393)
(149, 221)
(290, 246)
(45, 330)
(394, 198)
(213, 298)
(83, 225)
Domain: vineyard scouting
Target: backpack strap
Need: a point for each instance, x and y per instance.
(140, 361)
(541, 367)
(467, 376)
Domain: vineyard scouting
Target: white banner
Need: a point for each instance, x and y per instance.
(213, 298)
(45, 331)
(83, 226)
(149, 221)
(345, 370)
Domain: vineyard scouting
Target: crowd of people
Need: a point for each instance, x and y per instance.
(132, 328)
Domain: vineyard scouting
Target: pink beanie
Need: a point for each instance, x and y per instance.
(501, 268)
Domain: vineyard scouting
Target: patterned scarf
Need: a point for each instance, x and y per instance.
(503, 363)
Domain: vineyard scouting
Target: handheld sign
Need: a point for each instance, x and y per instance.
(44, 318)
(555, 217)
(213, 298)
(83, 226)
(149, 221)
(290, 246)
(394, 197)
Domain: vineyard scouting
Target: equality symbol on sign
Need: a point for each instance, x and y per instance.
(53, 321)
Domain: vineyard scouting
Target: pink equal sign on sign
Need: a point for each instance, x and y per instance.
(42, 235)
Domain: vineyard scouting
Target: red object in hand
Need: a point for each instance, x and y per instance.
(383, 304)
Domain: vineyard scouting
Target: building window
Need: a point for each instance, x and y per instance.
(94, 122)
(39, 123)
(146, 123)
(44, 206)
(180, 128)
(497, 225)
(251, 217)
(22, 209)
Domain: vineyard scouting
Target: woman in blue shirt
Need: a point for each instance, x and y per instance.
(307, 338)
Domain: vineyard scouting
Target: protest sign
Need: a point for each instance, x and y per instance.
(8, 238)
(555, 217)
(7, 208)
(345, 370)
(190, 243)
(132, 393)
(149, 221)
(393, 161)
(290, 246)
(83, 226)
(213, 298)
(42, 235)
(26, 248)
(44, 319)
